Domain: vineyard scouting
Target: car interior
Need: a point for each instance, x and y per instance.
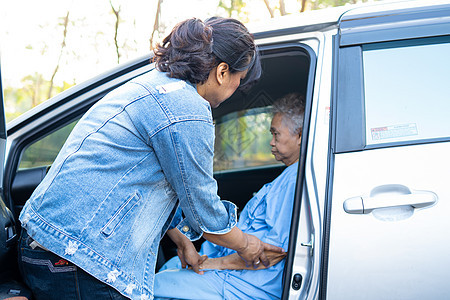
(243, 162)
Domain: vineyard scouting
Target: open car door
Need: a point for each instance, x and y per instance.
(8, 235)
(9, 286)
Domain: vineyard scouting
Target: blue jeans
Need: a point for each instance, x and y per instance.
(51, 277)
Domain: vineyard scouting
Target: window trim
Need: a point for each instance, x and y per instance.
(349, 113)
(397, 25)
(295, 219)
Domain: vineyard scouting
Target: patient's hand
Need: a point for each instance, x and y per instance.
(235, 262)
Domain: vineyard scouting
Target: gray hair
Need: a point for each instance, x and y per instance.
(292, 109)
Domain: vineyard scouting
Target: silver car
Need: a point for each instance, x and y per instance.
(370, 213)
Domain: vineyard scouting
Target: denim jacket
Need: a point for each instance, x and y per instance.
(115, 186)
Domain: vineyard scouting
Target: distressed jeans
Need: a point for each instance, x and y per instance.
(51, 277)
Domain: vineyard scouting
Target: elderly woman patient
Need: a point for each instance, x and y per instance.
(224, 275)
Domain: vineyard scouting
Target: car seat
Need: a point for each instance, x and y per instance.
(10, 287)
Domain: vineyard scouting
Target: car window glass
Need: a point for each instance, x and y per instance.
(44, 151)
(406, 88)
(243, 140)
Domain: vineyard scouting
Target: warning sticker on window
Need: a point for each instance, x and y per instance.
(395, 131)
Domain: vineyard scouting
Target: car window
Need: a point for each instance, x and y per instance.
(44, 151)
(406, 88)
(243, 139)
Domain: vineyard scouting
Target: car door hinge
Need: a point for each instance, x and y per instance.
(310, 244)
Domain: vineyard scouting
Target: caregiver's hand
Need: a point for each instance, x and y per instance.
(253, 251)
(189, 257)
(186, 251)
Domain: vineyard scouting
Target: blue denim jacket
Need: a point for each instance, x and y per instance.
(113, 190)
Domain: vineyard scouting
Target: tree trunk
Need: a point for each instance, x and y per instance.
(35, 94)
(63, 45)
(156, 25)
(303, 6)
(282, 8)
(269, 8)
(116, 29)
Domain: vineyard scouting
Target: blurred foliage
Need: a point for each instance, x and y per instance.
(242, 138)
(38, 87)
(238, 8)
(34, 90)
(234, 8)
(319, 4)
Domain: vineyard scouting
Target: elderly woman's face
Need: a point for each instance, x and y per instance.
(285, 146)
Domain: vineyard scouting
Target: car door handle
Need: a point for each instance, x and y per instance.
(365, 205)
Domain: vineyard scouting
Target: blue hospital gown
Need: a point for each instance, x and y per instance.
(267, 216)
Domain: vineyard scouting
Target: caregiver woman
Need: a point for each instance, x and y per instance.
(92, 227)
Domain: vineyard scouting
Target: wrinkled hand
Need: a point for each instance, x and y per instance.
(253, 253)
(234, 262)
(274, 257)
(189, 257)
(212, 263)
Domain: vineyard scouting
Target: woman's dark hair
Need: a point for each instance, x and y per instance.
(194, 48)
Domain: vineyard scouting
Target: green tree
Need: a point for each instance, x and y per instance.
(65, 23)
(116, 12)
(32, 92)
(281, 7)
(157, 24)
(305, 5)
(234, 8)
(319, 4)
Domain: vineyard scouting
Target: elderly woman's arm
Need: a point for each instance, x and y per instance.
(189, 256)
(235, 262)
(250, 249)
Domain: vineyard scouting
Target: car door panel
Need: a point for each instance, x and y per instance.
(388, 200)
(395, 246)
(24, 183)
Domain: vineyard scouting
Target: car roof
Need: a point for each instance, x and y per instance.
(383, 8)
(353, 15)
